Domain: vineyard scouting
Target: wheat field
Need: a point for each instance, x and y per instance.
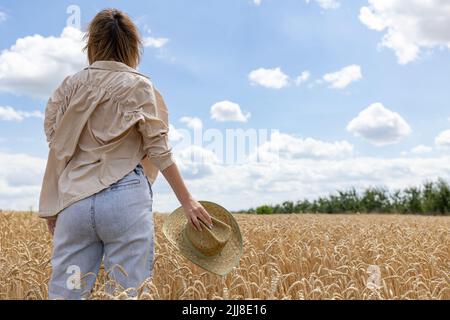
(285, 257)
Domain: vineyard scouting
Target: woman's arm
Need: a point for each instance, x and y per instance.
(154, 131)
(56, 103)
(192, 208)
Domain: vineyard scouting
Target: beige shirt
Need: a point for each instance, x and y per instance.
(100, 124)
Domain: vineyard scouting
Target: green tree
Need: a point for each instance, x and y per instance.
(432, 197)
(442, 197)
(429, 197)
(413, 200)
(303, 207)
(288, 207)
(265, 209)
(375, 200)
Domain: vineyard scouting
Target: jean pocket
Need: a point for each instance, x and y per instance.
(127, 184)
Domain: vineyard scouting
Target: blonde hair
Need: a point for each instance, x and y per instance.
(111, 35)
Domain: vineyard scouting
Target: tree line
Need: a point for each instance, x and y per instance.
(432, 197)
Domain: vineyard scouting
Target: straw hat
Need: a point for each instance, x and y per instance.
(217, 250)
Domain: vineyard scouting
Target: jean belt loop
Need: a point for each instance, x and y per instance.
(139, 168)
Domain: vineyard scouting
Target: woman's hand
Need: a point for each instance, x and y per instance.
(195, 212)
(51, 223)
(193, 209)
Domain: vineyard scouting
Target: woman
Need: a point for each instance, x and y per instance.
(107, 129)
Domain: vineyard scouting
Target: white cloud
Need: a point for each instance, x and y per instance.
(269, 78)
(275, 78)
(379, 125)
(257, 2)
(290, 147)
(443, 139)
(253, 184)
(341, 79)
(3, 17)
(326, 4)
(228, 111)
(20, 181)
(196, 162)
(35, 65)
(155, 42)
(193, 123)
(421, 149)
(247, 185)
(303, 77)
(174, 134)
(409, 26)
(10, 114)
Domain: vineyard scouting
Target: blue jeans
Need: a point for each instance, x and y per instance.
(116, 225)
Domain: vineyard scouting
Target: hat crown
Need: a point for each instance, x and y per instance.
(209, 242)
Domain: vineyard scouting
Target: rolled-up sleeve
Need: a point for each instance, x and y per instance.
(154, 127)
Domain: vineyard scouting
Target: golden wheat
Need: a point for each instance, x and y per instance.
(285, 257)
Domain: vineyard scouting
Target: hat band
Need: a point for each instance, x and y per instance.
(203, 251)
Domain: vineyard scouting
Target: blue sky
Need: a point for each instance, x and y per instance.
(211, 50)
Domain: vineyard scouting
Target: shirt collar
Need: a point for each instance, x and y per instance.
(113, 66)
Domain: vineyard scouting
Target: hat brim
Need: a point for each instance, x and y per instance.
(220, 264)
